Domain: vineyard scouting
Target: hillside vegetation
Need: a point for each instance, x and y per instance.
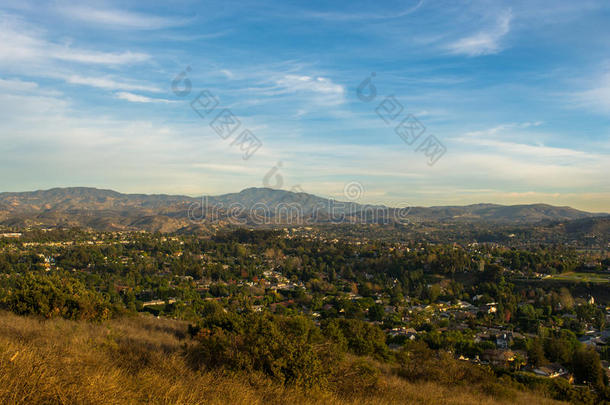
(148, 360)
(112, 211)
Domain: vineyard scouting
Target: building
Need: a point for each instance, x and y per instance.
(551, 370)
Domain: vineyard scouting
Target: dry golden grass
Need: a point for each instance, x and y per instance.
(140, 360)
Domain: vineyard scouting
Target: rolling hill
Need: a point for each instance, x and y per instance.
(111, 210)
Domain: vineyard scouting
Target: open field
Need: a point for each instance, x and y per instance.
(582, 277)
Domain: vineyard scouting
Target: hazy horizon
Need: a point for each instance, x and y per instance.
(109, 95)
(343, 197)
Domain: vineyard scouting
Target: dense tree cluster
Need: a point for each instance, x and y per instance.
(54, 296)
(292, 350)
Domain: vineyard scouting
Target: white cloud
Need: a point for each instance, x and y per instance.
(94, 57)
(17, 85)
(136, 98)
(20, 43)
(41, 142)
(484, 42)
(18, 109)
(117, 18)
(366, 15)
(227, 73)
(539, 151)
(27, 50)
(503, 127)
(293, 83)
(323, 90)
(108, 83)
(596, 98)
(515, 140)
(303, 93)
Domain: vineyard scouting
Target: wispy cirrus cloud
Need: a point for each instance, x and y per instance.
(363, 15)
(596, 98)
(108, 83)
(294, 87)
(137, 98)
(537, 151)
(320, 85)
(522, 139)
(485, 42)
(17, 85)
(70, 54)
(19, 42)
(317, 90)
(118, 19)
(503, 127)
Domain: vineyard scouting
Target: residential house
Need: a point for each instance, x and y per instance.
(552, 370)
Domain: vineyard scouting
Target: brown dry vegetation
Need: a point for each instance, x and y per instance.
(141, 360)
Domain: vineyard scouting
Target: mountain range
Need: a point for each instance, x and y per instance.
(110, 210)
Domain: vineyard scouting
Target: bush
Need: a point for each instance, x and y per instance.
(357, 376)
(359, 337)
(418, 362)
(53, 296)
(290, 350)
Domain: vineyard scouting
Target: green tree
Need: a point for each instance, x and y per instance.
(587, 367)
(535, 353)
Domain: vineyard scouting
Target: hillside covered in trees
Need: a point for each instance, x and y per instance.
(304, 314)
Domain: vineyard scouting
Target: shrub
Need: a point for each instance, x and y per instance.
(52, 296)
(290, 350)
(418, 362)
(361, 337)
(357, 376)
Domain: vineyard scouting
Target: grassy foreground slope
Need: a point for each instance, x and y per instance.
(141, 360)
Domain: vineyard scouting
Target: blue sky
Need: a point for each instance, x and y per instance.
(517, 92)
